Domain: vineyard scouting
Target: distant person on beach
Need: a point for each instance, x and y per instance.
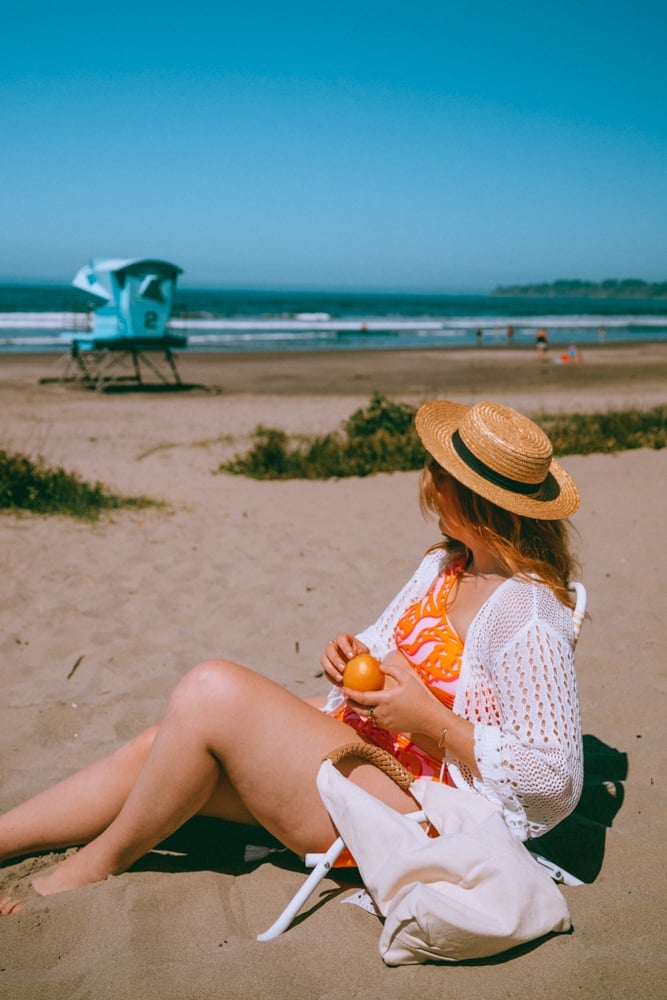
(572, 355)
(478, 336)
(509, 333)
(477, 653)
(542, 343)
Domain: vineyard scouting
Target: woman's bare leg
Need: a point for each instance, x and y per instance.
(78, 808)
(235, 745)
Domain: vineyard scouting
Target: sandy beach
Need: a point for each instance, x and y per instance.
(98, 621)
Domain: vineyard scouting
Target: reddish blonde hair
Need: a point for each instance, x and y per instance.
(526, 546)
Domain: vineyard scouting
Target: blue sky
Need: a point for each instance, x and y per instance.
(446, 146)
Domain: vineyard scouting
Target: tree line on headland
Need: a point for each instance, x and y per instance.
(626, 288)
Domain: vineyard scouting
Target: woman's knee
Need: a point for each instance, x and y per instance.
(211, 684)
(138, 748)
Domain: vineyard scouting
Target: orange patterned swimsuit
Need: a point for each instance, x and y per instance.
(434, 651)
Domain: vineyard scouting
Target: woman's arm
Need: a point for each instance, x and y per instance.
(530, 760)
(379, 637)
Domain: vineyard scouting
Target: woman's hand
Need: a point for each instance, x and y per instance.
(404, 705)
(336, 654)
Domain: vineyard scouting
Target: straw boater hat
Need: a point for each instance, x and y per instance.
(499, 454)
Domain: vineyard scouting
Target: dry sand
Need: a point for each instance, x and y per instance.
(99, 621)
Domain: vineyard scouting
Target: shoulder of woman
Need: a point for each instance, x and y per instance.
(431, 564)
(519, 603)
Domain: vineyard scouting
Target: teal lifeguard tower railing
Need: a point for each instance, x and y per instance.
(129, 325)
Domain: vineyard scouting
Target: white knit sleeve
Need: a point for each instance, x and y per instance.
(379, 637)
(528, 745)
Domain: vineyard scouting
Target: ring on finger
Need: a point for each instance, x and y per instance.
(371, 715)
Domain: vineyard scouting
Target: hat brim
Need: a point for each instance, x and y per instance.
(557, 498)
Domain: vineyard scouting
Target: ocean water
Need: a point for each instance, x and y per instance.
(44, 318)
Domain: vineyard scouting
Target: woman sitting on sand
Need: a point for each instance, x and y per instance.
(478, 656)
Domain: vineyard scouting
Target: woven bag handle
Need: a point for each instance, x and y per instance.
(374, 755)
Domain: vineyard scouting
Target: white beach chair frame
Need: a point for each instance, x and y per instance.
(323, 863)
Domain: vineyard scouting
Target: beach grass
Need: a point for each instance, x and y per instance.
(382, 438)
(379, 438)
(614, 430)
(30, 484)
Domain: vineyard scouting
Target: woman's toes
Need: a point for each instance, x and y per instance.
(9, 906)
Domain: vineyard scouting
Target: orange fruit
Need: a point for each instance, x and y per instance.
(363, 673)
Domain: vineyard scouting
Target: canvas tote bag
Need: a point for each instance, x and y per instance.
(472, 892)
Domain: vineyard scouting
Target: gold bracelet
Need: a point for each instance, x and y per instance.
(443, 740)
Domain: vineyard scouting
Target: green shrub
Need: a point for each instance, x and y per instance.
(382, 438)
(31, 485)
(620, 430)
(381, 415)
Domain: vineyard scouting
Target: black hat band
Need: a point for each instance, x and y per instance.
(491, 476)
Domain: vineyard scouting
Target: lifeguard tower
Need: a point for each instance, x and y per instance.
(129, 326)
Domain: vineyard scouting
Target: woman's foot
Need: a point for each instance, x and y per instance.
(16, 889)
(72, 873)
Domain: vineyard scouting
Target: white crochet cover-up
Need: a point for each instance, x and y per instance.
(518, 687)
